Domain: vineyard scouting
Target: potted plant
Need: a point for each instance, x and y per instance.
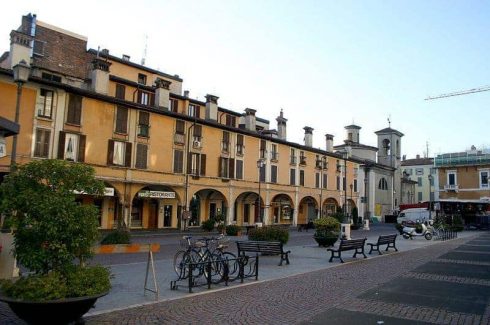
(327, 230)
(233, 230)
(53, 239)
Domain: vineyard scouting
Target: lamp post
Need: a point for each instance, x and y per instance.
(260, 164)
(21, 75)
(430, 199)
(186, 213)
(350, 208)
(344, 183)
(323, 164)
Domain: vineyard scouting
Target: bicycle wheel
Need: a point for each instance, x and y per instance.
(214, 268)
(180, 260)
(233, 267)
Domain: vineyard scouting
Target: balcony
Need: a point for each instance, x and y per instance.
(451, 187)
(292, 160)
(179, 138)
(302, 160)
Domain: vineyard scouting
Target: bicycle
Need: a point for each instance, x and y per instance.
(187, 256)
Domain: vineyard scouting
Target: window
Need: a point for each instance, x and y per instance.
(239, 144)
(484, 178)
(262, 173)
(419, 171)
(302, 158)
(51, 77)
(146, 98)
(355, 185)
(383, 184)
(344, 183)
(230, 120)
(408, 171)
(338, 183)
(325, 181)
(174, 105)
(179, 136)
(419, 181)
(71, 146)
(226, 167)
(302, 177)
(74, 113)
(239, 169)
(419, 196)
(273, 174)
(122, 119)
(317, 180)
(292, 156)
(141, 79)
(41, 147)
(339, 166)
(141, 155)
(44, 103)
(197, 136)
(274, 153)
(119, 153)
(196, 164)
(452, 180)
(178, 161)
(292, 176)
(120, 91)
(225, 143)
(144, 124)
(193, 110)
(262, 149)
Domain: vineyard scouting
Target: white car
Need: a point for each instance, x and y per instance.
(413, 215)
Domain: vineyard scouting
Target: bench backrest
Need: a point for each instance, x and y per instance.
(260, 246)
(351, 243)
(384, 239)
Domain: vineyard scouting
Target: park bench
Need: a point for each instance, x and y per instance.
(388, 240)
(347, 245)
(264, 247)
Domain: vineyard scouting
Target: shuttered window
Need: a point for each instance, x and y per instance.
(239, 169)
(71, 146)
(239, 144)
(119, 153)
(141, 155)
(144, 124)
(120, 91)
(197, 131)
(292, 177)
(174, 105)
(74, 113)
(179, 127)
(122, 119)
(273, 174)
(325, 181)
(302, 178)
(317, 180)
(41, 148)
(178, 161)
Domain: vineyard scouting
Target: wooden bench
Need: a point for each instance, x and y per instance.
(388, 240)
(266, 247)
(347, 245)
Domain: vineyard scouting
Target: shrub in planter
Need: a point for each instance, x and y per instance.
(208, 225)
(457, 223)
(53, 233)
(232, 230)
(269, 233)
(327, 231)
(118, 236)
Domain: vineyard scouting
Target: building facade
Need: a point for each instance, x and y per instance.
(422, 171)
(167, 160)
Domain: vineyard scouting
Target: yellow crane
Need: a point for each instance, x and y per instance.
(459, 93)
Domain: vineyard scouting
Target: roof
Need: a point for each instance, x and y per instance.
(389, 131)
(418, 162)
(352, 126)
(356, 145)
(8, 127)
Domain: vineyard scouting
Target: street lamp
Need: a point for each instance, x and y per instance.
(21, 75)
(350, 208)
(323, 165)
(344, 183)
(260, 164)
(430, 199)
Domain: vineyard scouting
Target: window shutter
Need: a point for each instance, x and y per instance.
(325, 180)
(179, 127)
(197, 130)
(239, 169)
(139, 96)
(220, 165)
(120, 91)
(46, 134)
(141, 155)
(262, 144)
(61, 145)
(144, 118)
(81, 148)
(178, 161)
(231, 169)
(110, 152)
(226, 136)
(152, 99)
(198, 111)
(239, 139)
(127, 158)
(203, 165)
(233, 121)
(189, 163)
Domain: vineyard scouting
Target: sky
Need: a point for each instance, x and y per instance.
(326, 64)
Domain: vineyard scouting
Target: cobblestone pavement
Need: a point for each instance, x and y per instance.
(311, 298)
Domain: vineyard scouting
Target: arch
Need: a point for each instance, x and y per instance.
(281, 208)
(382, 184)
(205, 204)
(155, 206)
(246, 210)
(331, 206)
(307, 210)
(386, 147)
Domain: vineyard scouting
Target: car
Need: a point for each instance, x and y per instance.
(414, 215)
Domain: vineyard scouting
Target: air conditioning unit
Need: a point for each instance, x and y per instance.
(196, 144)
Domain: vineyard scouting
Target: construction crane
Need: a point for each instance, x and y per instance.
(458, 93)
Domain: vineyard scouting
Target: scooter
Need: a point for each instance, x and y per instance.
(410, 232)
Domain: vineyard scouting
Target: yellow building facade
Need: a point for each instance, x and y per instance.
(167, 160)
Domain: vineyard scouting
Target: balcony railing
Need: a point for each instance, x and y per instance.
(274, 155)
(451, 187)
(179, 138)
(302, 160)
(292, 160)
(462, 158)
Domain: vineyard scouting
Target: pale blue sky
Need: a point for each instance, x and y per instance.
(327, 64)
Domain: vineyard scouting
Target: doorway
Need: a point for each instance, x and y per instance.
(167, 215)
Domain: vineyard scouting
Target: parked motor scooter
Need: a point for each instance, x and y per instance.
(410, 232)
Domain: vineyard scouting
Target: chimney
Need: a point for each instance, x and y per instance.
(186, 93)
(250, 119)
(162, 92)
(417, 156)
(126, 57)
(22, 41)
(329, 139)
(211, 107)
(100, 76)
(308, 136)
(281, 126)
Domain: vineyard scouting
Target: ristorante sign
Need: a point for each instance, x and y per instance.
(157, 194)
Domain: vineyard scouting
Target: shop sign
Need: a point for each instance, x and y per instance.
(108, 191)
(157, 194)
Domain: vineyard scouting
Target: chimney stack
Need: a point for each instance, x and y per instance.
(162, 93)
(329, 138)
(281, 126)
(186, 93)
(211, 107)
(250, 119)
(308, 136)
(22, 41)
(100, 76)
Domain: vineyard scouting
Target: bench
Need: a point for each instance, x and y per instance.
(347, 245)
(388, 240)
(265, 247)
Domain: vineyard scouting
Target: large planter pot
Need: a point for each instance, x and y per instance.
(62, 311)
(326, 240)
